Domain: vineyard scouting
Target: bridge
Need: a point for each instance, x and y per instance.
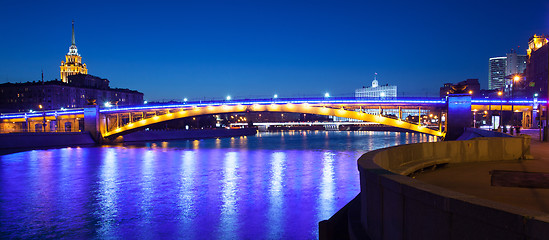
(113, 122)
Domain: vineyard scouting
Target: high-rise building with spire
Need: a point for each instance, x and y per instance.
(73, 62)
(75, 90)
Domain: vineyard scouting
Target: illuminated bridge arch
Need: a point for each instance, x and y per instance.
(289, 107)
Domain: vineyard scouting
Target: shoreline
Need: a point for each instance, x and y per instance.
(22, 142)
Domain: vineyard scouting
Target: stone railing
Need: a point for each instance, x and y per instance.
(406, 159)
(394, 206)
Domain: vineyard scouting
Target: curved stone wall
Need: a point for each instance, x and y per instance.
(394, 206)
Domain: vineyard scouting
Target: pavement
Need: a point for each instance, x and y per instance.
(475, 179)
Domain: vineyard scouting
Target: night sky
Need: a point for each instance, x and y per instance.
(205, 49)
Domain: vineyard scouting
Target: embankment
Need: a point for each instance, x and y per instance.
(165, 135)
(18, 142)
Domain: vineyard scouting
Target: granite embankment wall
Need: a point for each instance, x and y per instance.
(16, 142)
(165, 135)
(392, 205)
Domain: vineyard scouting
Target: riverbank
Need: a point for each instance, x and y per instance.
(19, 142)
(166, 135)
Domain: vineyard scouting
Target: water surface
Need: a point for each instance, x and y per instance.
(269, 186)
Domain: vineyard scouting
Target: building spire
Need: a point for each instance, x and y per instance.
(73, 42)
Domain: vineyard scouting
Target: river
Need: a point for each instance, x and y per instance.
(268, 186)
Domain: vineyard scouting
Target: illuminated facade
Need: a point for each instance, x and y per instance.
(537, 68)
(501, 67)
(73, 62)
(376, 91)
(496, 72)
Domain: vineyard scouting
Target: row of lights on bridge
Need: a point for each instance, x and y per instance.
(228, 98)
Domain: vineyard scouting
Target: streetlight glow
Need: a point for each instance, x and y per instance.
(184, 99)
(228, 98)
(500, 93)
(275, 96)
(516, 78)
(326, 95)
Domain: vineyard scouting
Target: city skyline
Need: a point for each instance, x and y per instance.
(195, 50)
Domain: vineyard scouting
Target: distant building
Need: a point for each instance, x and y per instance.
(73, 62)
(496, 72)
(376, 91)
(76, 89)
(501, 67)
(472, 85)
(537, 66)
(22, 97)
(515, 64)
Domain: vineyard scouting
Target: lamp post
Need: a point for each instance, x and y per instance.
(475, 118)
(43, 117)
(516, 78)
(500, 94)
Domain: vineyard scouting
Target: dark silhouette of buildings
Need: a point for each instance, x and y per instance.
(20, 97)
(468, 86)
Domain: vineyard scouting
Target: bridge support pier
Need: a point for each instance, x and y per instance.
(459, 115)
(92, 123)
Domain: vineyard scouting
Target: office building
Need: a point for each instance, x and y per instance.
(501, 67)
(376, 91)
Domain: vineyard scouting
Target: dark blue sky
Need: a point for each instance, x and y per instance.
(205, 49)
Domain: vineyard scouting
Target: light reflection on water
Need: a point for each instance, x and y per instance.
(270, 186)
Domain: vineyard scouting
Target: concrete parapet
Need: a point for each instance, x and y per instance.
(406, 159)
(393, 206)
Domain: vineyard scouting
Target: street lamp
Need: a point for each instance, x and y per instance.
(275, 96)
(475, 118)
(516, 78)
(500, 94)
(326, 95)
(43, 116)
(228, 98)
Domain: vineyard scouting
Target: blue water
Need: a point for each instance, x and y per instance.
(269, 186)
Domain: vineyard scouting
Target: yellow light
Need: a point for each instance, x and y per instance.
(500, 93)
(470, 92)
(431, 115)
(40, 106)
(516, 78)
(485, 112)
